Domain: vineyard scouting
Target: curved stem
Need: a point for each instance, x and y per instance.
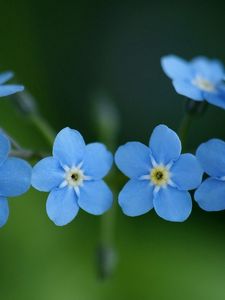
(44, 128)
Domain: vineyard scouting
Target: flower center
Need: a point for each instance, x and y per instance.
(203, 84)
(74, 177)
(160, 176)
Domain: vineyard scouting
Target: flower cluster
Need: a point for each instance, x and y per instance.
(160, 177)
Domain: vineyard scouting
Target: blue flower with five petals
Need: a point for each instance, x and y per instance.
(73, 176)
(200, 79)
(15, 177)
(160, 176)
(211, 193)
(8, 89)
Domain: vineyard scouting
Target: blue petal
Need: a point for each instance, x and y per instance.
(175, 67)
(186, 88)
(172, 204)
(4, 211)
(5, 76)
(136, 198)
(69, 147)
(211, 195)
(217, 98)
(97, 160)
(133, 159)
(187, 172)
(4, 148)
(62, 206)
(9, 89)
(208, 69)
(47, 174)
(211, 156)
(164, 144)
(95, 197)
(15, 177)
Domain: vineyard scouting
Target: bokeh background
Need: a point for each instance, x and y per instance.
(69, 53)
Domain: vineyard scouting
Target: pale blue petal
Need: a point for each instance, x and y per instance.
(15, 177)
(216, 98)
(47, 174)
(187, 172)
(95, 197)
(4, 148)
(97, 160)
(9, 89)
(136, 197)
(4, 211)
(208, 69)
(62, 206)
(164, 144)
(5, 76)
(176, 67)
(211, 156)
(69, 147)
(133, 159)
(186, 88)
(172, 204)
(211, 195)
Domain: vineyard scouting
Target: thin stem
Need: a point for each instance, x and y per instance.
(193, 109)
(27, 154)
(184, 128)
(106, 253)
(43, 127)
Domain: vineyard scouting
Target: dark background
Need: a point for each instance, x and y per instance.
(67, 53)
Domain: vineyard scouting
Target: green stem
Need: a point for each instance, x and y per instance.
(106, 252)
(44, 128)
(184, 128)
(28, 154)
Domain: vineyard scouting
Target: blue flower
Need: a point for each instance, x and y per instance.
(160, 176)
(15, 177)
(200, 79)
(8, 89)
(211, 193)
(73, 176)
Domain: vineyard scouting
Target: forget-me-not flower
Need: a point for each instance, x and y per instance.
(211, 193)
(200, 79)
(8, 89)
(73, 176)
(160, 176)
(15, 177)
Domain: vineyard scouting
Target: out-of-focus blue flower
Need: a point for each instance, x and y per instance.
(211, 193)
(73, 176)
(160, 176)
(200, 79)
(8, 89)
(15, 177)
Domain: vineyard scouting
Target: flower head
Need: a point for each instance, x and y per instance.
(15, 177)
(160, 176)
(73, 176)
(8, 89)
(211, 193)
(200, 79)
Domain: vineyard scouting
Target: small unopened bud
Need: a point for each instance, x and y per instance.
(25, 103)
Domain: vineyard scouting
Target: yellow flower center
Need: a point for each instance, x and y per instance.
(160, 176)
(203, 84)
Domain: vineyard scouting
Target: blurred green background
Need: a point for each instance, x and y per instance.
(67, 53)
